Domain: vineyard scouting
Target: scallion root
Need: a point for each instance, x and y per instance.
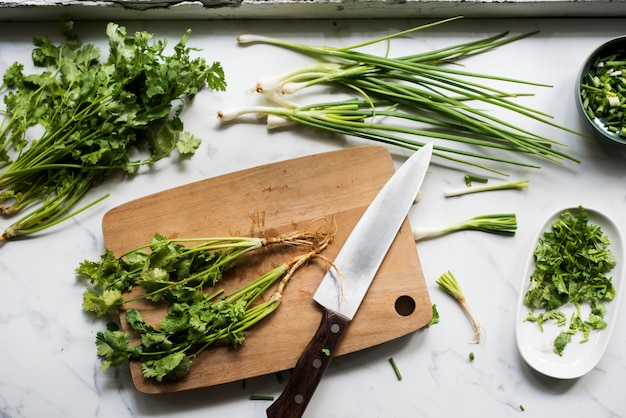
(449, 284)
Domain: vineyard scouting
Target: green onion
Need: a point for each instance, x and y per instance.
(603, 93)
(469, 178)
(508, 185)
(451, 286)
(402, 98)
(395, 368)
(503, 224)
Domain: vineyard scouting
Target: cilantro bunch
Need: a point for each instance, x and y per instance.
(95, 117)
(572, 262)
(167, 272)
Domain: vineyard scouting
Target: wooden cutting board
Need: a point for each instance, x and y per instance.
(281, 197)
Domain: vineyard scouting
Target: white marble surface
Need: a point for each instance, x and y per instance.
(48, 365)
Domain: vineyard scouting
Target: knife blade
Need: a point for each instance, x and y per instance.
(345, 284)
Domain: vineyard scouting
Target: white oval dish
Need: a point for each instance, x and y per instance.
(536, 347)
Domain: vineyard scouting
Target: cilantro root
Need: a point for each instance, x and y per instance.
(96, 118)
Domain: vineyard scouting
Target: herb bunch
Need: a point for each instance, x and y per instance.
(96, 117)
(572, 262)
(179, 276)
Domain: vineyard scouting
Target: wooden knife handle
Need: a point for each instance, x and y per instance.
(310, 367)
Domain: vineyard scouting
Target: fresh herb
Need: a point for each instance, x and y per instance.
(572, 261)
(396, 370)
(451, 286)
(521, 407)
(603, 91)
(326, 352)
(471, 356)
(506, 185)
(435, 318)
(176, 275)
(404, 99)
(502, 224)
(96, 118)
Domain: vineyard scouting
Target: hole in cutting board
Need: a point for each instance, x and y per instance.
(405, 305)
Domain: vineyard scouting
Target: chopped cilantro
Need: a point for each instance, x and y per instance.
(435, 319)
(572, 262)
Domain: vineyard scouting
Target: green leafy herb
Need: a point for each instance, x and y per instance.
(402, 100)
(435, 318)
(572, 262)
(96, 118)
(501, 224)
(471, 356)
(451, 286)
(171, 273)
(174, 269)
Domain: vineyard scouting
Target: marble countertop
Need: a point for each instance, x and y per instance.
(48, 363)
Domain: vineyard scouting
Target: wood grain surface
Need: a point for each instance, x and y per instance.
(298, 194)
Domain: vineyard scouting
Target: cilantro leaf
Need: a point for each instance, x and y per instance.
(173, 366)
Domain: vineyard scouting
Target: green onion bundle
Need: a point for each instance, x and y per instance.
(403, 101)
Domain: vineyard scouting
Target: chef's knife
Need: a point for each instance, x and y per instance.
(345, 284)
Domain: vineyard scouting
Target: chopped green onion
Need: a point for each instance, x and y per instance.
(603, 92)
(471, 356)
(503, 224)
(469, 178)
(395, 368)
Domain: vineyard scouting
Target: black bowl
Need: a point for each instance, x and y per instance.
(598, 125)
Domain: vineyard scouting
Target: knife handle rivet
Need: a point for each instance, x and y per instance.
(335, 328)
(298, 399)
(317, 363)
